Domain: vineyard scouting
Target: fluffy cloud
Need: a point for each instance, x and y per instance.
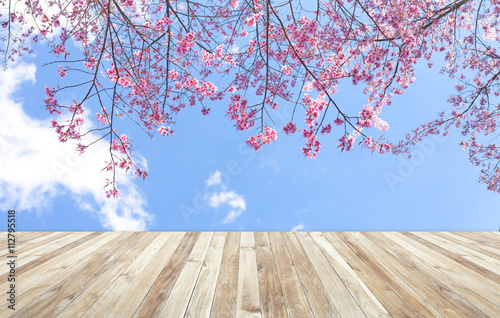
(298, 227)
(214, 179)
(225, 197)
(232, 216)
(36, 168)
(235, 200)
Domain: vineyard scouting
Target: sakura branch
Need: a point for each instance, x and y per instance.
(142, 62)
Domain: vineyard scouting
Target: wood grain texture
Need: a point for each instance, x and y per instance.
(463, 289)
(226, 291)
(366, 300)
(293, 293)
(48, 251)
(204, 292)
(319, 300)
(485, 287)
(42, 273)
(460, 240)
(29, 244)
(157, 296)
(52, 302)
(394, 303)
(342, 299)
(416, 302)
(427, 240)
(180, 295)
(442, 297)
(113, 283)
(153, 263)
(255, 274)
(271, 296)
(248, 282)
(490, 263)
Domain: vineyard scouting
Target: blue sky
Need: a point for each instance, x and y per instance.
(205, 178)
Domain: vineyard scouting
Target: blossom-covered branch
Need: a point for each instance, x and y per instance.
(159, 56)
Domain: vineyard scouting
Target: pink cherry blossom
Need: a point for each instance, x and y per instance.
(143, 62)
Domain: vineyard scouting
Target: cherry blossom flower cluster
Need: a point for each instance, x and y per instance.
(185, 43)
(51, 103)
(165, 131)
(263, 138)
(68, 131)
(239, 112)
(290, 128)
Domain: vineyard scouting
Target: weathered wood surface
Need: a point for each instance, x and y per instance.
(261, 274)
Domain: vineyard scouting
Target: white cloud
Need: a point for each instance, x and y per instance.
(235, 200)
(298, 227)
(232, 216)
(36, 168)
(225, 197)
(214, 179)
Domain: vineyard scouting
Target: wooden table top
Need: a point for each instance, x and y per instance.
(254, 274)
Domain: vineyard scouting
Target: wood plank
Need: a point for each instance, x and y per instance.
(52, 302)
(445, 300)
(419, 304)
(485, 287)
(22, 241)
(46, 273)
(44, 239)
(427, 241)
(226, 290)
(40, 279)
(98, 292)
(57, 248)
(471, 243)
(357, 288)
(460, 240)
(271, 296)
(183, 288)
(27, 233)
(52, 248)
(272, 274)
(493, 235)
(26, 237)
(248, 301)
(204, 292)
(52, 244)
(295, 299)
(482, 240)
(315, 291)
(159, 292)
(395, 305)
(23, 245)
(344, 302)
(481, 259)
(138, 287)
(465, 290)
(29, 254)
